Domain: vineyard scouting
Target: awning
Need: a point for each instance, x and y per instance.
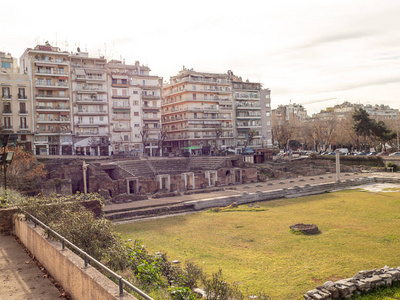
(248, 150)
(80, 72)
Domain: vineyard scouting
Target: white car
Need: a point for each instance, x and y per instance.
(395, 154)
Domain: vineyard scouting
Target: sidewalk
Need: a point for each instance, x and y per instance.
(20, 276)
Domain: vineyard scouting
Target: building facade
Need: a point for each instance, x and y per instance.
(48, 70)
(16, 101)
(197, 112)
(207, 112)
(135, 108)
(90, 111)
(252, 113)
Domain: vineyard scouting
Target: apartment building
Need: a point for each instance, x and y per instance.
(90, 111)
(135, 108)
(292, 113)
(346, 109)
(16, 102)
(252, 113)
(197, 112)
(48, 70)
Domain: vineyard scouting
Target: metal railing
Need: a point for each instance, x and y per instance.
(87, 258)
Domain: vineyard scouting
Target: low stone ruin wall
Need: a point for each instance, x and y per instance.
(363, 281)
(259, 196)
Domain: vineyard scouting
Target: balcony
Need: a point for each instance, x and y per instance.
(23, 112)
(92, 112)
(51, 73)
(53, 120)
(7, 111)
(151, 97)
(51, 108)
(52, 61)
(121, 129)
(52, 97)
(151, 107)
(90, 89)
(91, 100)
(6, 97)
(22, 97)
(58, 85)
(115, 96)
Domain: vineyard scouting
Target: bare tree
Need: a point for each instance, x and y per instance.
(144, 133)
(162, 136)
(250, 134)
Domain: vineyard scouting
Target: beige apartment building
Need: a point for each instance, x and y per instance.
(197, 112)
(135, 108)
(252, 113)
(16, 101)
(48, 70)
(90, 111)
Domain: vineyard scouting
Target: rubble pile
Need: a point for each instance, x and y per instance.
(363, 281)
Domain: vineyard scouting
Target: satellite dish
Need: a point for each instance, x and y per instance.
(78, 49)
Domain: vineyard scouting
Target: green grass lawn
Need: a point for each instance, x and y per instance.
(360, 231)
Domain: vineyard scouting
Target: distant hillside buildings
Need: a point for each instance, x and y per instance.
(61, 103)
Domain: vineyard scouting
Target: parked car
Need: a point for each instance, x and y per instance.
(383, 153)
(373, 153)
(395, 154)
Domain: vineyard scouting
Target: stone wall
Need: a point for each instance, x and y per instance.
(363, 281)
(6, 220)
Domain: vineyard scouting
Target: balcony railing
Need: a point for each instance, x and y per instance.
(53, 108)
(53, 97)
(22, 97)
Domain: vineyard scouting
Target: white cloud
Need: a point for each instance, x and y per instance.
(300, 49)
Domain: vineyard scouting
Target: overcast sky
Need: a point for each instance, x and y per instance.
(303, 50)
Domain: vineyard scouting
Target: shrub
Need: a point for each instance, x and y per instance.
(216, 288)
(182, 293)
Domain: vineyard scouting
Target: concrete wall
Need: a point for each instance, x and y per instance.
(66, 267)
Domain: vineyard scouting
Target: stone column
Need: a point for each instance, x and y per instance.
(337, 165)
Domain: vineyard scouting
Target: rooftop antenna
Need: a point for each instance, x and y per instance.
(56, 40)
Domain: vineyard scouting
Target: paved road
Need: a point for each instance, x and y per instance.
(20, 277)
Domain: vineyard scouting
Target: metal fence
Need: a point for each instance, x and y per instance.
(88, 258)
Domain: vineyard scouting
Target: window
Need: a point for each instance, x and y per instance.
(101, 119)
(7, 122)
(135, 102)
(126, 138)
(144, 82)
(135, 92)
(194, 96)
(91, 120)
(194, 87)
(21, 93)
(136, 113)
(23, 137)
(22, 123)
(48, 81)
(60, 71)
(22, 108)
(205, 97)
(7, 108)
(6, 92)
(6, 65)
(114, 81)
